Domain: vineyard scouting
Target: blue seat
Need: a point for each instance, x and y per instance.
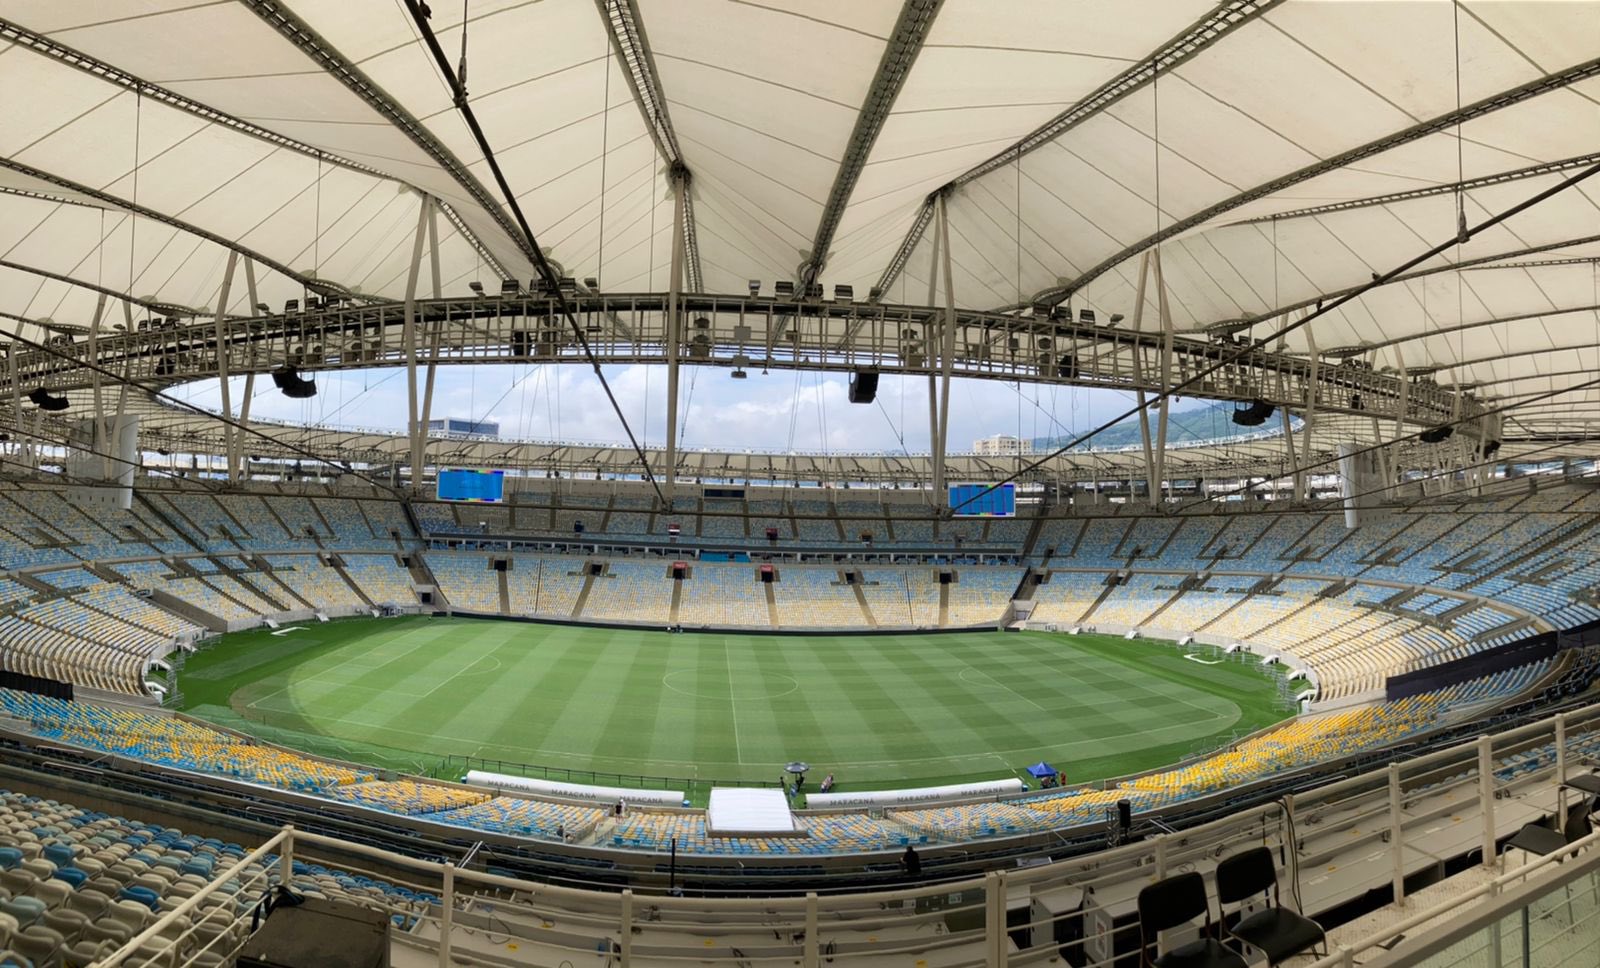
(9, 858)
(58, 854)
(142, 895)
(25, 909)
(71, 875)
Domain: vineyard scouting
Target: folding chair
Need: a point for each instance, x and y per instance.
(1176, 901)
(1276, 931)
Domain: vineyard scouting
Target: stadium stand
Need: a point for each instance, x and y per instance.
(381, 578)
(816, 597)
(631, 591)
(466, 581)
(724, 595)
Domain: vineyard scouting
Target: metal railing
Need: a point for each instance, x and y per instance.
(1080, 906)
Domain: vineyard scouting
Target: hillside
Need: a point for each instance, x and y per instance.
(1185, 426)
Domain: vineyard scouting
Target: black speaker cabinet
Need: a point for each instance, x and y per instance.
(319, 933)
(863, 386)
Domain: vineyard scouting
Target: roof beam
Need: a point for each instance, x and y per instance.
(1198, 37)
(1463, 327)
(899, 55)
(113, 201)
(629, 41)
(1485, 261)
(155, 306)
(1494, 102)
(1482, 181)
(319, 50)
(111, 74)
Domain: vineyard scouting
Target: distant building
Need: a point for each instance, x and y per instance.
(1002, 445)
(457, 425)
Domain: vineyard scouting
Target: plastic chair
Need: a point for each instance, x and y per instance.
(1275, 930)
(1174, 902)
(39, 945)
(24, 910)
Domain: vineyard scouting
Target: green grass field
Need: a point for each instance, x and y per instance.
(874, 710)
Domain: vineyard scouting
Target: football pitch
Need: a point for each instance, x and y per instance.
(876, 711)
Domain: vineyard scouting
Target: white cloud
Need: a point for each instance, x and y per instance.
(774, 411)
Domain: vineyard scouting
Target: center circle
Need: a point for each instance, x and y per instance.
(780, 685)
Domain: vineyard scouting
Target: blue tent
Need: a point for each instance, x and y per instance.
(1041, 769)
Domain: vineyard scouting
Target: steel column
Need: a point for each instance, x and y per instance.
(674, 321)
(433, 347)
(1306, 446)
(415, 429)
(1138, 378)
(98, 437)
(236, 462)
(947, 352)
(931, 354)
(1166, 377)
(222, 352)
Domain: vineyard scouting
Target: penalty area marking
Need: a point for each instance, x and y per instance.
(1197, 657)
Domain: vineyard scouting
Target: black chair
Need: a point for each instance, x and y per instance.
(1542, 839)
(1539, 838)
(1276, 931)
(1173, 902)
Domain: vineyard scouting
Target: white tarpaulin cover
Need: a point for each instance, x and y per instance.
(747, 811)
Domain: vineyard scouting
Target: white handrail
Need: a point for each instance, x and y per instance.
(193, 901)
(1344, 953)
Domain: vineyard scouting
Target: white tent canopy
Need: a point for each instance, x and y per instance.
(1278, 150)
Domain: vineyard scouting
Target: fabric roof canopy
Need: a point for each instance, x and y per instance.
(1277, 150)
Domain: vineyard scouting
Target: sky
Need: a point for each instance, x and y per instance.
(780, 411)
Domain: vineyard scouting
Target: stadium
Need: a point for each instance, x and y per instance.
(465, 496)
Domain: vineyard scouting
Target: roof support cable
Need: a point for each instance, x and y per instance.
(1233, 356)
(419, 15)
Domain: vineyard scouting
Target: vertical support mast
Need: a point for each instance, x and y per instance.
(98, 437)
(947, 352)
(934, 343)
(433, 346)
(1138, 379)
(1159, 475)
(1311, 408)
(222, 356)
(236, 463)
(674, 321)
(409, 337)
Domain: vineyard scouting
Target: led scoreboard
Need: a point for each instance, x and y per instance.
(478, 487)
(979, 501)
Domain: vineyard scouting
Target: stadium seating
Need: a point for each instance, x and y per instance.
(979, 596)
(631, 591)
(381, 578)
(466, 581)
(815, 597)
(91, 881)
(724, 595)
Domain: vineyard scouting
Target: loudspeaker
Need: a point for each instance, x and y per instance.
(288, 379)
(1436, 435)
(863, 386)
(1125, 816)
(47, 401)
(1254, 415)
